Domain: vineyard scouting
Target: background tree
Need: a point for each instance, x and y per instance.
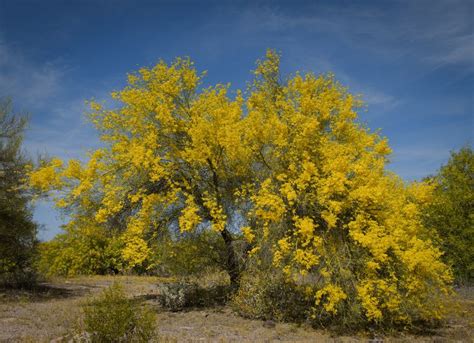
(81, 250)
(451, 213)
(17, 229)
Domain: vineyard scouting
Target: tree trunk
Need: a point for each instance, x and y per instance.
(232, 265)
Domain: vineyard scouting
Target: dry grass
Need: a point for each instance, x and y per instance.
(52, 311)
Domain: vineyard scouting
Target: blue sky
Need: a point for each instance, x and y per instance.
(413, 62)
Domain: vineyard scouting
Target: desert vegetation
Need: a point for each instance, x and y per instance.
(271, 207)
(17, 229)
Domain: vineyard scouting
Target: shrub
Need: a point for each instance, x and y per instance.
(189, 253)
(180, 295)
(266, 295)
(81, 249)
(111, 317)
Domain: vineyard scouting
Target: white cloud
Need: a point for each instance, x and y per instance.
(27, 82)
(380, 101)
(459, 50)
(431, 32)
(417, 162)
(57, 123)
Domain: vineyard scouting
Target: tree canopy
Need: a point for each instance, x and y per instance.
(17, 229)
(286, 163)
(451, 213)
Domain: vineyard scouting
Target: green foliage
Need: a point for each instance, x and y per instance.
(266, 295)
(189, 253)
(111, 317)
(81, 251)
(91, 250)
(185, 294)
(451, 212)
(17, 229)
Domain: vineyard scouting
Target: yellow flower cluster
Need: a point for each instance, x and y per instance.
(330, 296)
(219, 218)
(189, 216)
(248, 234)
(47, 177)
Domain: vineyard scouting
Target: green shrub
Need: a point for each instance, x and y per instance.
(183, 294)
(265, 295)
(26, 277)
(81, 249)
(111, 317)
(189, 253)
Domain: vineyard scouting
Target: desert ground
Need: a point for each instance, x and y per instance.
(51, 313)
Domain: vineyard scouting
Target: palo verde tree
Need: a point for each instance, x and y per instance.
(17, 229)
(287, 163)
(173, 158)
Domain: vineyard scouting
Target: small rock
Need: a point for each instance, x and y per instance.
(270, 324)
(81, 337)
(186, 328)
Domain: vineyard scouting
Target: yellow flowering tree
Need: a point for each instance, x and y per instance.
(173, 157)
(339, 226)
(82, 249)
(288, 165)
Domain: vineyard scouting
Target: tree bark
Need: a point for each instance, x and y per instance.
(232, 264)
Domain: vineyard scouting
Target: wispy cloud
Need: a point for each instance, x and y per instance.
(57, 123)
(417, 162)
(66, 138)
(29, 83)
(459, 50)
(434, 32)
(382, 101)
(418, 155)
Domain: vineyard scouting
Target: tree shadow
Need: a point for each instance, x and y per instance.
(42, 292)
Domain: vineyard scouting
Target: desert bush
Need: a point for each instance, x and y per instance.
(189, 253)
(175, 296)
(26, 277)
(266, 295)
(112, 317)
(81, 250)
(185, 294)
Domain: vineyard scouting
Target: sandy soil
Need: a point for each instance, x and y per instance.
(51, 312)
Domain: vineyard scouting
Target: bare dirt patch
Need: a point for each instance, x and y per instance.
(52, 311)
